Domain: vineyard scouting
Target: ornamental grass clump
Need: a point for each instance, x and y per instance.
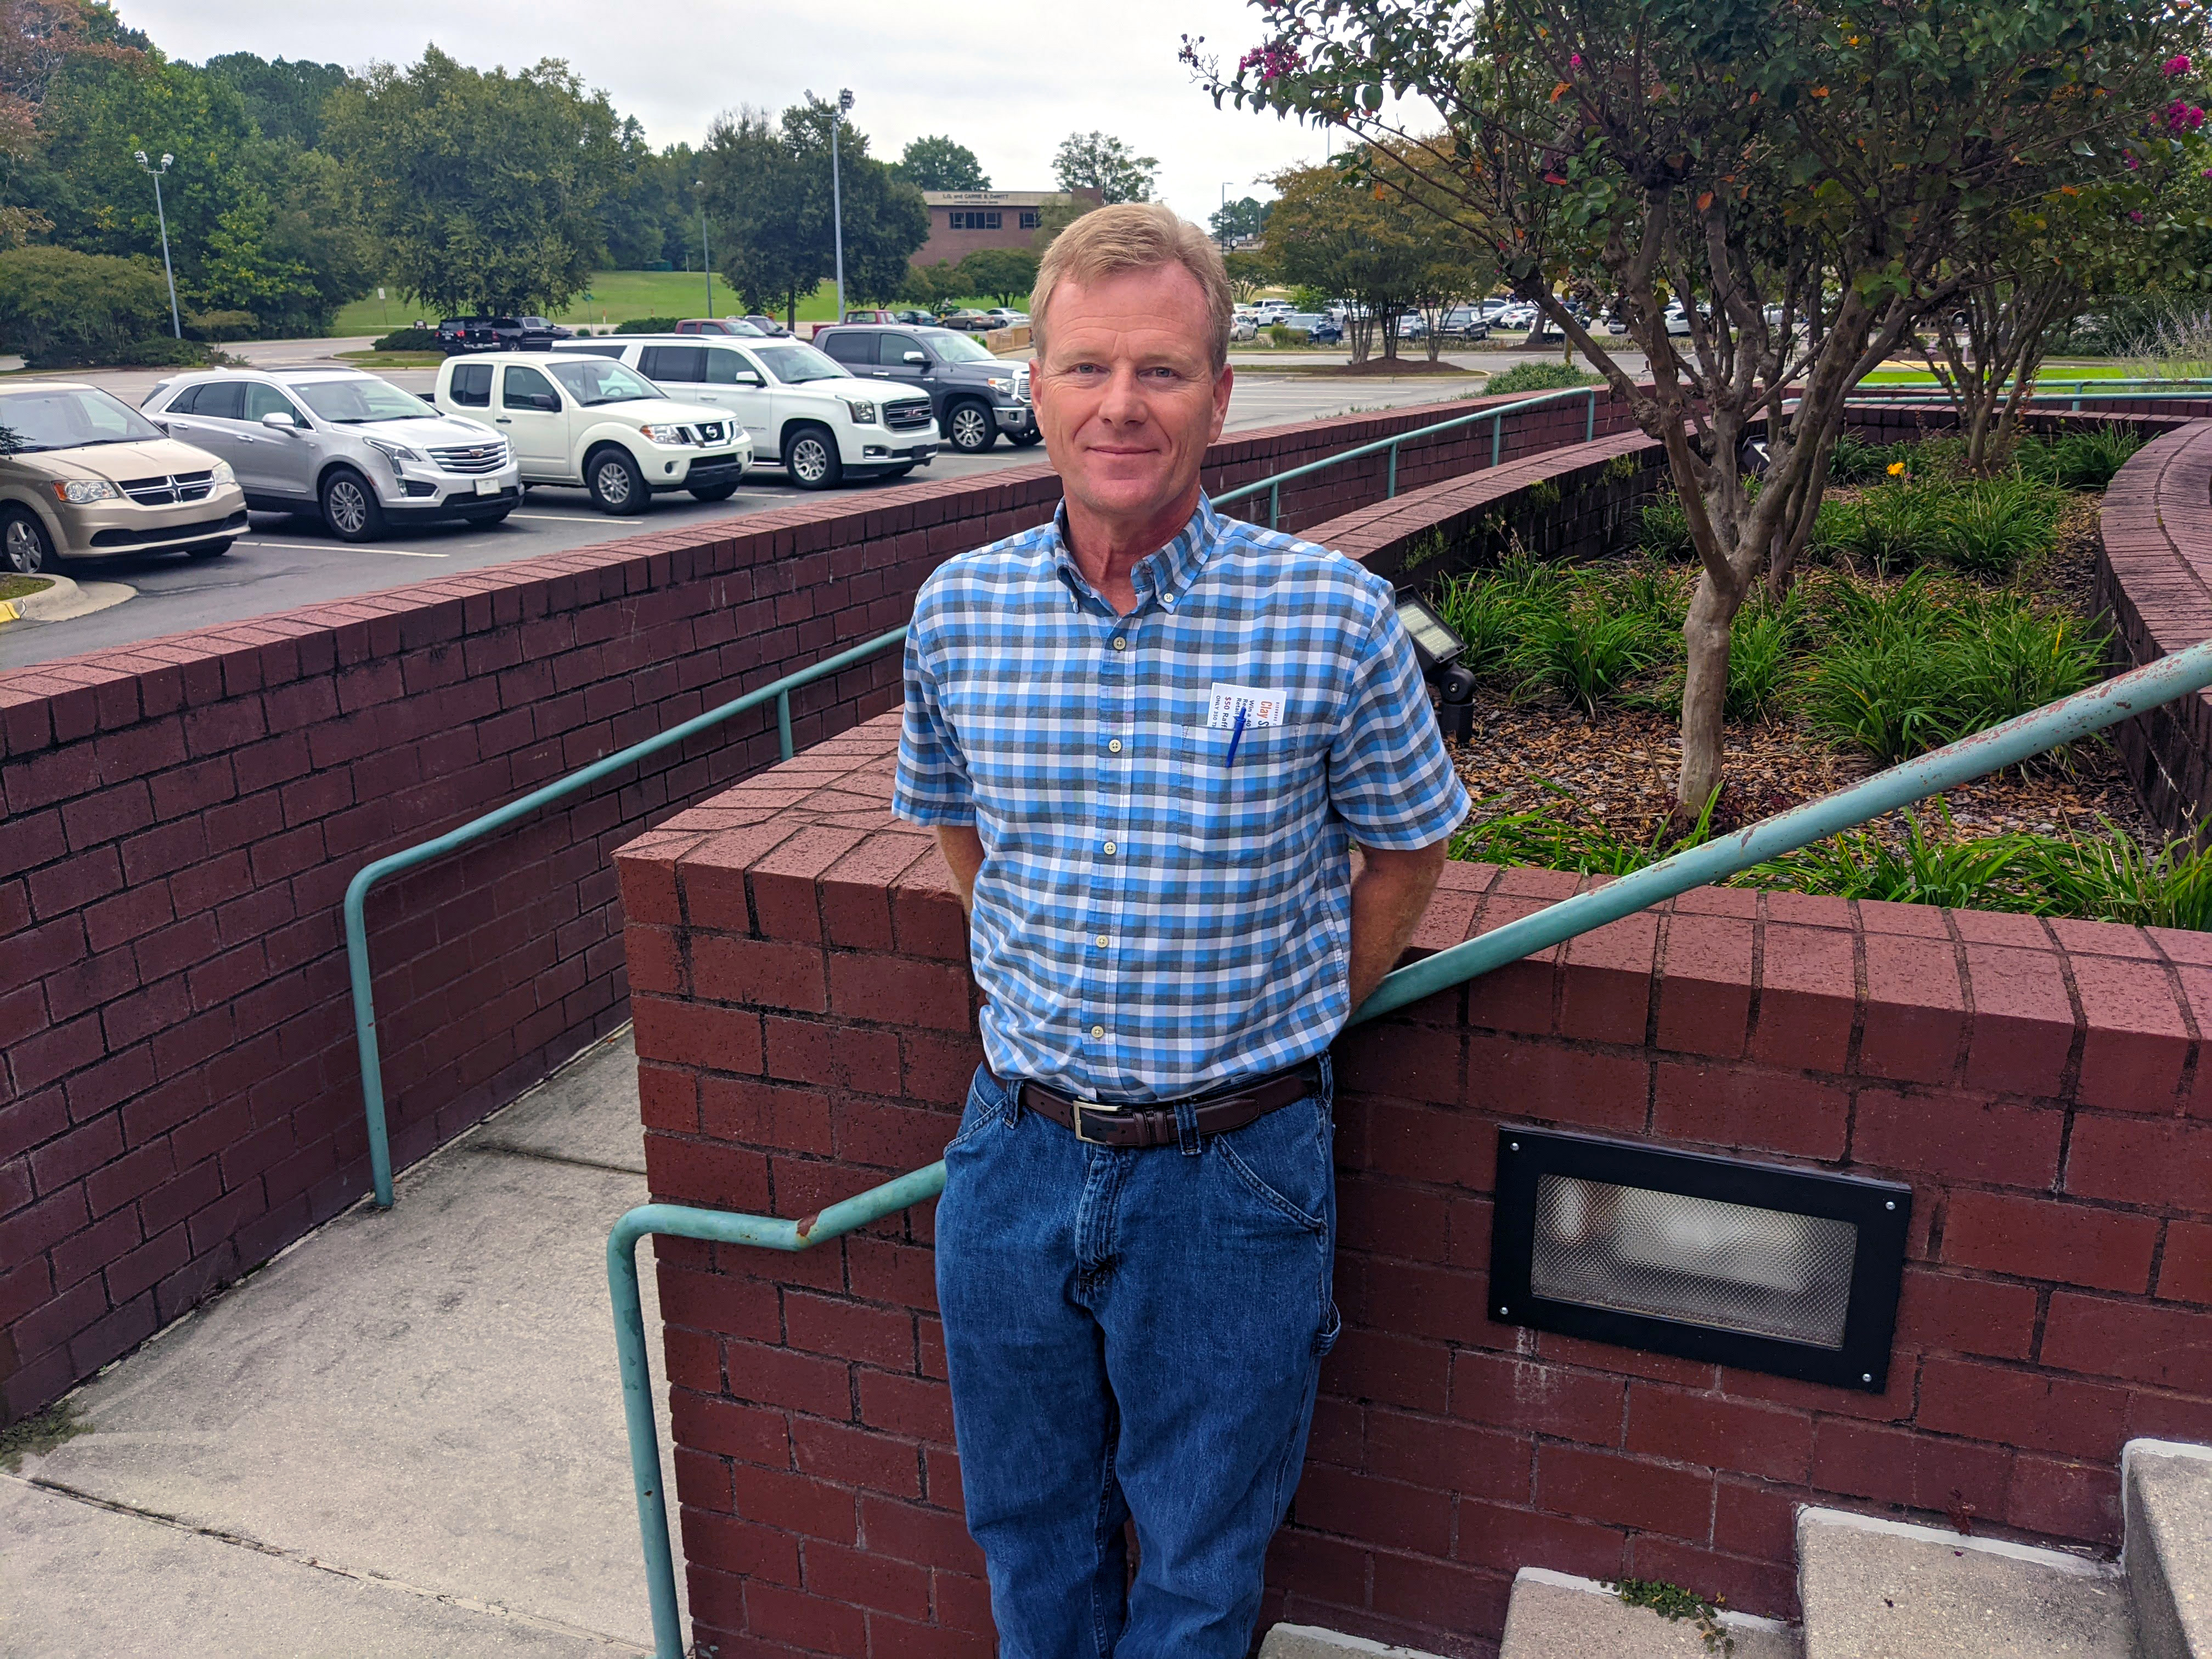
(1989, 527)
(2080, 460)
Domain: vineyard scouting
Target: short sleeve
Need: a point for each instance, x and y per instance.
(933, 785)
(1391, 778)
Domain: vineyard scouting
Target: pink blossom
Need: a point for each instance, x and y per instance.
(1272, 60)
(2137, 215)
(2177, 65)
(1575, 61)
(2134, 165)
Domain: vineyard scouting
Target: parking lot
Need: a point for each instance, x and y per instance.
(282, 562)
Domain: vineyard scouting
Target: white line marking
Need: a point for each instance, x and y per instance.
(328, 547)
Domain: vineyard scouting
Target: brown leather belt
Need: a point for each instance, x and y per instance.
(1105, 1124)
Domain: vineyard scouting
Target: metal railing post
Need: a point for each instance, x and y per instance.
(1590, 417)
(1274, 505)
(1391, 490)
(783, 724)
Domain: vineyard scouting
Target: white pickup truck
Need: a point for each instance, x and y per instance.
(799, 406)
(589, 420)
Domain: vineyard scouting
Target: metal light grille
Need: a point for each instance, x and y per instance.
(1666, 1255)
(906, 417)
(472, 457)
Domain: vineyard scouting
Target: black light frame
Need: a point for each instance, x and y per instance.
(1423, 619)
(1881, 1211)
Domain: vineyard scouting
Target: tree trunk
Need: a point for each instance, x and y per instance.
(1704, 694)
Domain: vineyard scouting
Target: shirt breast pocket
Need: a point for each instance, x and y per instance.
(1225, 812)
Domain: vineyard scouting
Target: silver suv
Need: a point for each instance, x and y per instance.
(352, 448)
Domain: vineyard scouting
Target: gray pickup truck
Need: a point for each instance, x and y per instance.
(975, 395)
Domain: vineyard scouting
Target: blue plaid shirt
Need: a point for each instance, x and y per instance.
(1150, 919)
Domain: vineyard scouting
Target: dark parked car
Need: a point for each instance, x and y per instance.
(459, 334)
(1327, 332)
(975, 395)
(547, 326)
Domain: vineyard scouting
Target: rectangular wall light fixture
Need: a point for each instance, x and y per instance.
(1751, 1265)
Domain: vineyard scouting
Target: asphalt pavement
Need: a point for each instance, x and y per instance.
(282, 562)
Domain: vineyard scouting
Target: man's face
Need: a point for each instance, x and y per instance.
(1127, 395)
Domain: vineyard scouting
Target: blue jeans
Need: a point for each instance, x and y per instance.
(1132, 1334)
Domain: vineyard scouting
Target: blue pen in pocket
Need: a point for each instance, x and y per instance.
(1236, 737)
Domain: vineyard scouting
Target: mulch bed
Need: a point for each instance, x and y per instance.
(1619, 769)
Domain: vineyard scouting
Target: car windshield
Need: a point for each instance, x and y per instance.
(796, 364)
(960, 348)
(66, 418)
(593, 381)
(349, 403)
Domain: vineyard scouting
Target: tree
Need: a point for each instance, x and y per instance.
(1006, 274)
(483, 189)
(769, 198)
(283, 99)
(1334, 231)
(1249, 271)
(1235, 221)
(934, 287)
(59, 307)
(1800, 176)
(937, 163)
(1097, 161)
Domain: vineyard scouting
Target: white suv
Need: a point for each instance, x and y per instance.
(591, 421)
(794, 402)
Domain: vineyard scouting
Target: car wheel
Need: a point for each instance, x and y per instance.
(207, 550)
(810, 456)
(971, 428)
(615, 484)
(715, 492)
(24, 547)
(351, 510)
(1025, 439)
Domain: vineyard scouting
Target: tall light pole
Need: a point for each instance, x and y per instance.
(706, 259)
(836, 196)
(162, 214)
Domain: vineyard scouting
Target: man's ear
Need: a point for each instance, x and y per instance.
(1223, 383)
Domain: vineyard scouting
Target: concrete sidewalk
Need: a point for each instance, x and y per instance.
(403, 1436)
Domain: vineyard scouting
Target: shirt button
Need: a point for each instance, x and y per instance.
(1120, 644)
(1102, 941)
(1167, 598)
(1098, 1033)
(1113, 745)
(1109, 849)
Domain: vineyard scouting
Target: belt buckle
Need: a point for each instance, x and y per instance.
(1076, 1108)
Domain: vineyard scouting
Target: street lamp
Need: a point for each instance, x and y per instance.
(836, 199)
(706, 259)
(162, 214)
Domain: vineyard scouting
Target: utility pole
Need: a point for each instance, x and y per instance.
(837, 110)
(706, 259)
(162, 214)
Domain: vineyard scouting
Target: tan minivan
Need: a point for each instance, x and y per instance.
(84, 476)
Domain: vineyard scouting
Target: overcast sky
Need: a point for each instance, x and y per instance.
(1009, 80)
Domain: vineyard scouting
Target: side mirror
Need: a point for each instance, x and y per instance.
(746, 376)
(917, 357)
(550, 402)
(280, 420)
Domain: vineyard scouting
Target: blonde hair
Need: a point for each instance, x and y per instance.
(1135, 236)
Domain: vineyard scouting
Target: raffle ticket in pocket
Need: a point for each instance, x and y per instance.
(1259, 708)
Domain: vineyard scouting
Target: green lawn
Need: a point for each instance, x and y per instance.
(617, 296)
(2095, 369)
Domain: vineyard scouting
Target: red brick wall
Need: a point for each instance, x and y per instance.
(178, 1097)
(2154, 577)
(806, 1029)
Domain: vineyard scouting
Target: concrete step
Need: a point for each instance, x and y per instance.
(2166, 1488)
(1554, 1615)
(1312, 1642)
(1885, 1590)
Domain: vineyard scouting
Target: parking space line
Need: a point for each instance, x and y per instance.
(344, 547)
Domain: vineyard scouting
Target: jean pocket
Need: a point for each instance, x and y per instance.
(987, 1101)
(1283, 1159)
(1331, 1326)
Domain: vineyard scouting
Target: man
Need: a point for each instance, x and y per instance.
(1148, 738)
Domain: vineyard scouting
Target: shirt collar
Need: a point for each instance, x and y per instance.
(1164, 575)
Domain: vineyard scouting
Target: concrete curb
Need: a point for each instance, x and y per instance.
(66, 599)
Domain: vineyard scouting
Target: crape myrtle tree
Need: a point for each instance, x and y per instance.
(1799, 173)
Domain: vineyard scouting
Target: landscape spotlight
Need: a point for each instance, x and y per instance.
(1437, 649)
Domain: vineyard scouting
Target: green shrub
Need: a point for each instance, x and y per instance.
(1526, 378)
(1281, 335)
(648, 325)
(1854, 460)
(1664, 528)
(1589, 650)
(408, 339)
(164, 351)
(2080, 460)
(219, 326)
(1496, 611)
(1987, 526)
(1898, 526)
(59, 307)
(1763, 658)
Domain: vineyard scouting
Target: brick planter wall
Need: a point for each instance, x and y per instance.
(806, 1029)
(179, 1096)
(2154, 577)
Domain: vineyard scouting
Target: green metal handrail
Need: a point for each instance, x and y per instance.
(356, 894)
(1274, 482)
(2016, 741)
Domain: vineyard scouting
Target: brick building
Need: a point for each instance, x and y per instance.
(962, 221)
